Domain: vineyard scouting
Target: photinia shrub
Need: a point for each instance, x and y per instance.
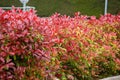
(59, 46)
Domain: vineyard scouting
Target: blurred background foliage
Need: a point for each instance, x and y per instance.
(68, 7)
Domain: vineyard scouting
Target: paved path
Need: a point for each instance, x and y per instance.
(112, 78)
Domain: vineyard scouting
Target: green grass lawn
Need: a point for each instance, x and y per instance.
(69, 7)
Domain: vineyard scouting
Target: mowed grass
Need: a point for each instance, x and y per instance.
(69, 7)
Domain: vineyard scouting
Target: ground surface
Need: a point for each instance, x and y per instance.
(112, 78)
(69, 7)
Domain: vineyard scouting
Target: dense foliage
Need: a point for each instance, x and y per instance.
(60, 46)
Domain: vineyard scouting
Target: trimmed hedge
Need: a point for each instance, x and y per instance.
(59, 46)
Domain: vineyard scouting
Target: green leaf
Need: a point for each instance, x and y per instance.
(14, 57)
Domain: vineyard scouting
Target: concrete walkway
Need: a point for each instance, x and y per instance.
(112, 78)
